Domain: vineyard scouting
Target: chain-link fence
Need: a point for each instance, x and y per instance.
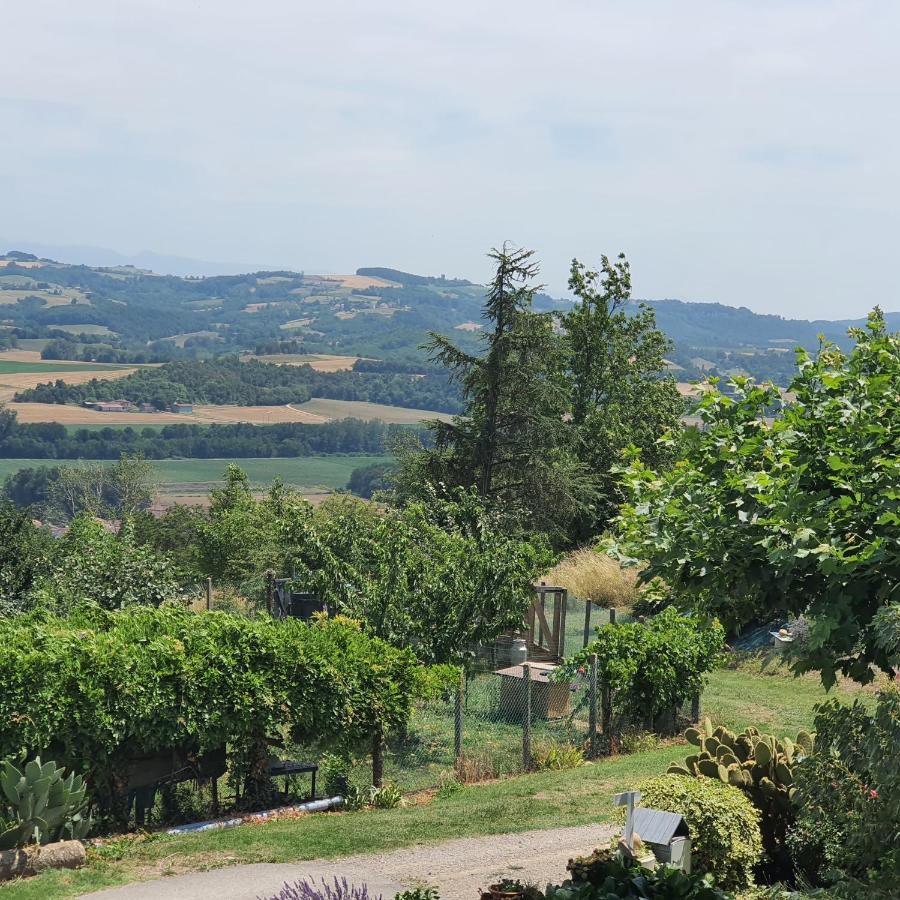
(509, 716)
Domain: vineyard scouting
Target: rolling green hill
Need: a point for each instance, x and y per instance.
(124, 314)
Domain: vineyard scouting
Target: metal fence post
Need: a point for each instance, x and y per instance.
(378, 757)
(587, 623)
(458, 716)
(606, 713)
(526, 719)
(592, 713)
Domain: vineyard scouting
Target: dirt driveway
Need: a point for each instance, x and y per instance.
(457, 868)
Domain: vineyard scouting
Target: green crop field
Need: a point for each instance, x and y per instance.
(15, 367)
(329, 472)
(304, 471)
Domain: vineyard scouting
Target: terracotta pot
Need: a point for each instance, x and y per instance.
(497, 894)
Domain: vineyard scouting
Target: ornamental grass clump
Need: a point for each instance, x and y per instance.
(594, 576)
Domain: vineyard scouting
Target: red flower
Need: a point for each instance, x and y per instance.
(873, 794)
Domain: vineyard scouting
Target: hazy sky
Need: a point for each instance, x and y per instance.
(745, 152)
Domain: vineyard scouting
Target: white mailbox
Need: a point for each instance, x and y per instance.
(666, 834)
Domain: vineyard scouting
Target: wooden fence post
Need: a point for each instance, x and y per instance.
(458, 716)
(526, 719)
(270, 592)
(592, 712)
(695, 709)
(612, 615)
(378, 757)
(208, 594)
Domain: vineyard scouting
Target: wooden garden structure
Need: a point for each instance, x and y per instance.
(546, 624)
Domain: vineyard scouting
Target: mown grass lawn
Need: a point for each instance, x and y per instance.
(737, 697)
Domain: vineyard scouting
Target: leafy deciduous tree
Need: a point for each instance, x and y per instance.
(799, 515)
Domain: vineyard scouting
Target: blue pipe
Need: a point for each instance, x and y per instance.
(311, 806)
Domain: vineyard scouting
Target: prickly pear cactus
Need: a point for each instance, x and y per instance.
(759, 764)
(39, 804)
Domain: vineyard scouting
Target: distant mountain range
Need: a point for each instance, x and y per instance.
(161, 263)
(121, 311)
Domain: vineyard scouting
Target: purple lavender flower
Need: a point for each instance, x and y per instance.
(307, 889)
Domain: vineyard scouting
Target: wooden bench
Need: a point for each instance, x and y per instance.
(289, 767)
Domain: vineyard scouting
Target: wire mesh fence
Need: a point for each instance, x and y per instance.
(510, 716)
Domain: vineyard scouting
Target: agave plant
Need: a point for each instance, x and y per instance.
(39, 804)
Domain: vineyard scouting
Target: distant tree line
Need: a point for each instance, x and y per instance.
(50, 440)
(254, 383)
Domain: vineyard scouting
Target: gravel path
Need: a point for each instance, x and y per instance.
(457, 868)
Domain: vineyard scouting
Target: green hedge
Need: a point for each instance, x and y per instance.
(724, 825)
(100, 688)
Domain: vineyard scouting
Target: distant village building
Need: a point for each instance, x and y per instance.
(182, 407)
(109, 405)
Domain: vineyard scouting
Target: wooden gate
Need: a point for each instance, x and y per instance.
(546, 621)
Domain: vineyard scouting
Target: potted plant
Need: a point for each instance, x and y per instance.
(507, 889)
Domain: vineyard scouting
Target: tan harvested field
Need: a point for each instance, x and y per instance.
(354, 409)
(258, 415)
(22, 263)
(360, 282)
(202, 415)
(9, 297)
(78, 415)
(34, 356)
(180, 339)
(296, 323)
(12, 384)
(318, 361)
(85, 328)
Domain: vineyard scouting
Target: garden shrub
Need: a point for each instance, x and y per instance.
(847, 834)
(653, 667)
(724, 825)
(605, 875)
(100, 688)
(762, 766)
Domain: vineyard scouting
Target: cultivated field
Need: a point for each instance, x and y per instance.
(86, 328)
(20, 369)
(360, 282)
(77, 415)
(318, 361)
(347, 409)
(257, 415)
(8, 297)
(315, 412)
(180, 339)
(195, 477)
